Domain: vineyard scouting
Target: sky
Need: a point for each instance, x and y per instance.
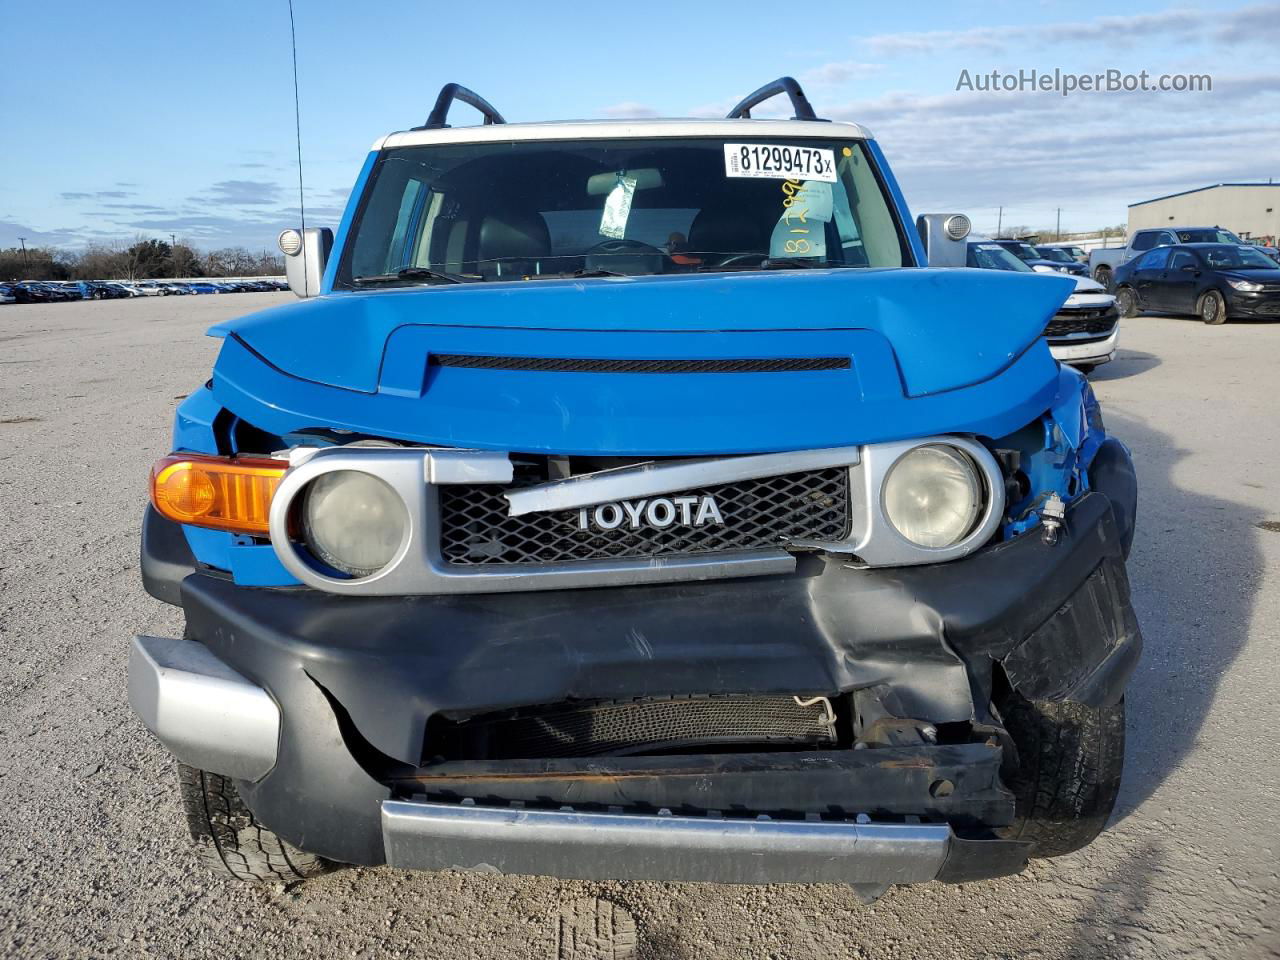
(141, 117)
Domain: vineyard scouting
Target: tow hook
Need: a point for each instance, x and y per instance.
(1052, 516)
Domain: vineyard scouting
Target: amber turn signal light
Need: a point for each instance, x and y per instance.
(225, 493)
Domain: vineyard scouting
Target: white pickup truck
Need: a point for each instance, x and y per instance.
(1102, 262)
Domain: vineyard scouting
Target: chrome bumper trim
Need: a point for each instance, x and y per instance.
(648, 479)
(205, 713)
(608, 846)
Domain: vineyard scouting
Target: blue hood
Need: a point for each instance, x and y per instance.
(929, 351)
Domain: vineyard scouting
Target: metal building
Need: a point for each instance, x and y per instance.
(1251, 210)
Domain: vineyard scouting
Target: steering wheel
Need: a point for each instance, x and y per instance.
(622, 246)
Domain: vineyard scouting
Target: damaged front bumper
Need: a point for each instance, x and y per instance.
(1086, 348)
(358, 680)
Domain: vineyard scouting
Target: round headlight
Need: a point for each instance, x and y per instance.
(353, 521)
(933, 496)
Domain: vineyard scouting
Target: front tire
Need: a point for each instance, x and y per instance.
(229, 837)
(1103, 276)
(1213, 309)
(1070, 757)
(1127, 302)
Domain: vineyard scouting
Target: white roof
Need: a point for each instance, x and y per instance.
(625, 129)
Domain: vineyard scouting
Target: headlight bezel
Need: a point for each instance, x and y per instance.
(401, 472)
(873, 538)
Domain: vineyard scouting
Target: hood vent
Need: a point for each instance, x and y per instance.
(569, 365)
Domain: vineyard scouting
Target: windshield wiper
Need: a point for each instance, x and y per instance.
(575, 275)
(413, 274)
(769, 263)
(793, 263)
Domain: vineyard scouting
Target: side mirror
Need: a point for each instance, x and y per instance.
(305, 254)
(944, 236)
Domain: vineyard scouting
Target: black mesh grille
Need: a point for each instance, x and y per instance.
(570, 365)
(1097, 321)
(476, 527)
(620, 727)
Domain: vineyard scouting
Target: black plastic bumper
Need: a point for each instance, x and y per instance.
(1260, 306)
(357, 678)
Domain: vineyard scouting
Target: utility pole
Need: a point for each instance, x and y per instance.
(999, 221)
(1057, 233)
(173, 252)
(23, 241)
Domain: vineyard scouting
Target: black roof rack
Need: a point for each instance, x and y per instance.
(456, 91)
(799, 102)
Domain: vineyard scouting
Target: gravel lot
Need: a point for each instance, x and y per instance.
(94, 857)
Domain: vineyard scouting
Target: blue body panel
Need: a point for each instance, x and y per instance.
(931, 351)
(899, 202)
(348, 215)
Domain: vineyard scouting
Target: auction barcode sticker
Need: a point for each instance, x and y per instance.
(777, 162)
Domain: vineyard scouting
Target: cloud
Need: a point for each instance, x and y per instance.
(629, 110)
(243, 193)
(1259, 23)
(98, 195)
(835, 74)
(11, 230)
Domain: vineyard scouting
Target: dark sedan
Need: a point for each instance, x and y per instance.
(33, 291)
(1217, 281)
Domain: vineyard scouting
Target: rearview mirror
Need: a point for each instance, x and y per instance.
(305, 254)
(646, 178)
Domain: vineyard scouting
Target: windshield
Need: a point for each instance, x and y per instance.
(1237, 258)
(992, 256)
(1023, 251)
(1214, 235)
(1055, 253)
(517, 211)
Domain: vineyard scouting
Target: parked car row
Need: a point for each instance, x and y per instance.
(53, 291)
(1043, 259)
(1085, 330)
(1208, 272)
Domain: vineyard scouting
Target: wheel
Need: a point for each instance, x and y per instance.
(1127, 301)
(231, 840)
(1069, 761)
(1103, 276)
(1212, 308)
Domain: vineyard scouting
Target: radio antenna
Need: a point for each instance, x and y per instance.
(297, 127)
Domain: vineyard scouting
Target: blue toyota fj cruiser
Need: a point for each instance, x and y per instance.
(630, 499)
